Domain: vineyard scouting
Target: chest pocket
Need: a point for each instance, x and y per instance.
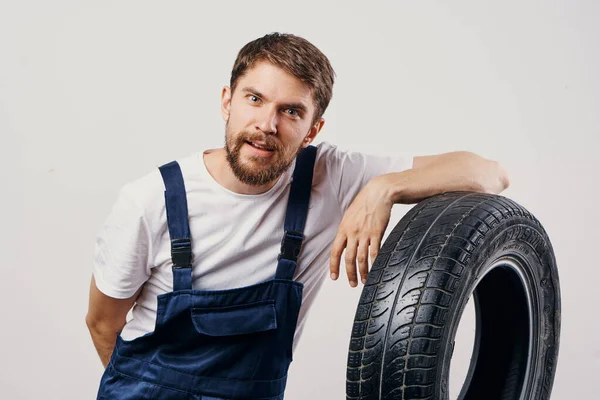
(233, 320)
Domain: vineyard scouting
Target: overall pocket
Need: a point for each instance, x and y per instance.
(238, 319)
(117, 386)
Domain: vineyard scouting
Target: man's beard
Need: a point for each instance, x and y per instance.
(264, 170)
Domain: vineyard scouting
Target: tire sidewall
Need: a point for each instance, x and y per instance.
(518, 240)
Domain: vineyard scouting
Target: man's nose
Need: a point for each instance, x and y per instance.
(266, 120)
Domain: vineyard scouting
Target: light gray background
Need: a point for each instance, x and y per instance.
(95, 94)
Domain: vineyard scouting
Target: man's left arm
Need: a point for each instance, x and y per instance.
(366, 219)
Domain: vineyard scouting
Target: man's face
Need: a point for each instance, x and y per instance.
(269, 120)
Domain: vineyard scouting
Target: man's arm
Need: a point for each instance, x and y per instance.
(366, 219)
(457, 171)
(106, 317)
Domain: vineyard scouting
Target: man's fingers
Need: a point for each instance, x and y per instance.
(374, 247)
(350, 259)
(336, 254)
(363, 259)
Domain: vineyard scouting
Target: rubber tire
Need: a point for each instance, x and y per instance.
(436, 257)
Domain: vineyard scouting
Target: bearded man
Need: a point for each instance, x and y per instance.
(220, 254)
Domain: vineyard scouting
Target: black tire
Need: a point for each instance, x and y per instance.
(444, 250)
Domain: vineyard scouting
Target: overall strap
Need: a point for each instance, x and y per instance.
(297, 210)
(179, 229)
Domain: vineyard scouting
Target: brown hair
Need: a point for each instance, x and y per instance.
(296, 56)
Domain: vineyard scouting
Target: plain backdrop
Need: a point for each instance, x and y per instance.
(96, 94)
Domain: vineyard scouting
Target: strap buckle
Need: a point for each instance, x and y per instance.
(291, 245)
(181, 253)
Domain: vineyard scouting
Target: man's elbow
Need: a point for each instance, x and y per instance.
(504, 178)
(94, 325)
(497, 179)
(102, 326)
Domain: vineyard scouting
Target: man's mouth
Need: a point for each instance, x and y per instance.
(260, 146)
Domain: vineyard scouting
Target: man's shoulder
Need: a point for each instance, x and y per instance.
(332, 156)
(327, 151)
(334, 151)
(324, 148)
(148, 189)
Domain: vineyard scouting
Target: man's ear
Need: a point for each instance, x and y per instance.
(313, 132)
(225, 102)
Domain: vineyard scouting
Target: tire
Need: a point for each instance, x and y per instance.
(447, 248)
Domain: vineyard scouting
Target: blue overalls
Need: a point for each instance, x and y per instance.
(216, 344)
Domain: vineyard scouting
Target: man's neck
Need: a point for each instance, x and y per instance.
(218, 167)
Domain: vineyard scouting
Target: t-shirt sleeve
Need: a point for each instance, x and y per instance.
(123, 247)
(349, 172)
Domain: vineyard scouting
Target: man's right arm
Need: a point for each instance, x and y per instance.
(106, 317)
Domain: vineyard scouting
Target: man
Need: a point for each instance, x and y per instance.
(219, 298)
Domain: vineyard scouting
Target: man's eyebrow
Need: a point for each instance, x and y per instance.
(250, 89)
(295, 106)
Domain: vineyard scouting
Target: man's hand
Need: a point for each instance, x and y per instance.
(361, 230)
(367, 217)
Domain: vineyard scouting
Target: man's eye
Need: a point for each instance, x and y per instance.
(292, 112)
(253, 99)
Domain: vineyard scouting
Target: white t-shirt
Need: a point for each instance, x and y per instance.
(235, 237)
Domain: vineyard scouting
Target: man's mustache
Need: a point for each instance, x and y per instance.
(267, 140)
